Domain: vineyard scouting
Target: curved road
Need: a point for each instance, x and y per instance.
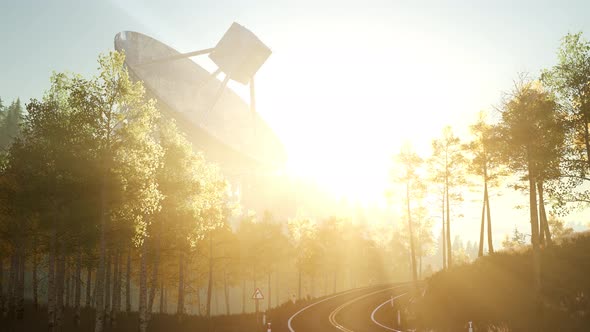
(358, 310)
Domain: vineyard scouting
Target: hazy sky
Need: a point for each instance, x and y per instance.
(347, 82)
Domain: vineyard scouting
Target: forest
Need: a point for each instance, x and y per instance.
(105, 206)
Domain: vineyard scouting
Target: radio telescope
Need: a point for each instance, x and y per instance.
(215, 118)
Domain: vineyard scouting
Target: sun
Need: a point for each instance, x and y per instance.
(345, 137)
(343, 110)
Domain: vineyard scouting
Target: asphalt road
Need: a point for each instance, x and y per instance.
(352, 311)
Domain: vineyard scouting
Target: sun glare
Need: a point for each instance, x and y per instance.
(341, 129)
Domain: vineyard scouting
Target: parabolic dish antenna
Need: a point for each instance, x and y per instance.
(216, 119)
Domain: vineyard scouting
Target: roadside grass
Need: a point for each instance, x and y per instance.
(496, 291)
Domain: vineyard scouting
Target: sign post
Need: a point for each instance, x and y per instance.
(257, 296)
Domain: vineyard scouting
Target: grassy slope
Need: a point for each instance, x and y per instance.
(498, 289)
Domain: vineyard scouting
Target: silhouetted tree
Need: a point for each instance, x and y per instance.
(532, 138)
(447, 165)
(484, 163)
(409, 163)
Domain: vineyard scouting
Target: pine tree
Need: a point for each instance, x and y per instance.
(447, 164)
(531, 138)
(10, 121)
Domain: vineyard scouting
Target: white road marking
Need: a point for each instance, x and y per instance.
(379, 307)
(332, 317)
(289, 322)
(313, 304)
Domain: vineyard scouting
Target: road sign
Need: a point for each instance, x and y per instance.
(257, 295)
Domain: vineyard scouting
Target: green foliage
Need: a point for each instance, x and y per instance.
(514, 242)
(482, 161)
(95, 149)
(570, 77)
(558, 228)
(530, 134)
(48, 168)
(303, 233)
(570, 81)
(11, 118)
(448, 161)
(123, 124)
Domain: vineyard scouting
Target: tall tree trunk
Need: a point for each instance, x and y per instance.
(94, 291)
(449, 243)
(99, 284)
(444, 234)
(51, 300)
(335, 281)
(244, 296)
(119, 282)
(543, 215)
(12, 281)
(78, 290)
(1, 284)
(420, 270)
(217, 302)
(299, 284)
(535, 236)
(198, 301)
(88, 284)
(107, 289)
(128, 284)
(255, 301)
(226, 292)
(269, 291)
(116, 305)
(162, 298)
(35, 277)
(72, 286)
(35, 282)
(143, 314)
(412, 249)
(277, 297)
(115, 273)
(312, 288)
(489, 215)
(481, 231)
(59, 288)
(165, 298)
(154, 279)
(67, 278)
(180, 306)
(210, 283)
(20, 305)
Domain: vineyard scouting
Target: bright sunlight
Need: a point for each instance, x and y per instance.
(281, 166)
